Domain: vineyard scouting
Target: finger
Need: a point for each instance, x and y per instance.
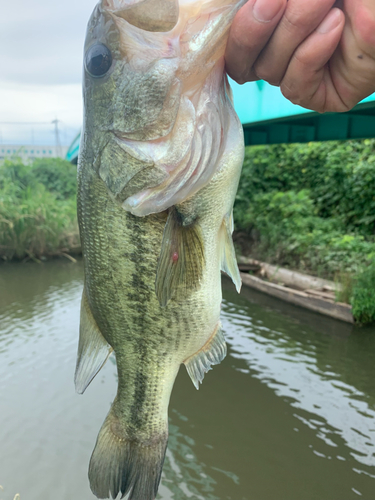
(250, 31)
(307, 81)
(300, 19)
(353, 66)
(362, 16)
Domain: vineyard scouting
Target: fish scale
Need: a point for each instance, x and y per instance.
(154, 237)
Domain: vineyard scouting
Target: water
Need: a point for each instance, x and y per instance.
(289, 415)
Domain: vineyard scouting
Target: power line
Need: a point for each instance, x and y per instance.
(27, 123)
(55, 132)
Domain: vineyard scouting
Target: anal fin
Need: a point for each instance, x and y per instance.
(93, 349)
(212, 353)
(181, 260)
(228, 256)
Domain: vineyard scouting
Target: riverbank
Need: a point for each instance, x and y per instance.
(300, 289)
(311, 208)
(306, 207)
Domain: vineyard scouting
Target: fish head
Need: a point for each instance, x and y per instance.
(129, 70)
(155, 102)
(100, 73)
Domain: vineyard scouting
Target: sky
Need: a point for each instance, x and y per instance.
(41, 47)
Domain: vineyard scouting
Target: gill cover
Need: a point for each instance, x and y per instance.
(163, 103)
(148, 15)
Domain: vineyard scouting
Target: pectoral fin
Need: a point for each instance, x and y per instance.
(228, 255)
(93, 349)
(212, 353)
(181, 260)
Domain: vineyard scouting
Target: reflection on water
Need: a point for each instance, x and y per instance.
(290, 367)
(290, 414)
(183, 475)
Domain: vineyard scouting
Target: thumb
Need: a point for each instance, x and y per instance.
(250, 31)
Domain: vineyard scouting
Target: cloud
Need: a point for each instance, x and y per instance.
(41, 42)
(41, 52)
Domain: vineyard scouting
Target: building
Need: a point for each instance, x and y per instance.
(29, 153)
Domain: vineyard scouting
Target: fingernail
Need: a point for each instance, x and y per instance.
(330, 22)
(265, 10)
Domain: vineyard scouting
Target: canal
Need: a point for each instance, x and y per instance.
(289, 414)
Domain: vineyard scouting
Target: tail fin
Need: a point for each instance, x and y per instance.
(122, 465)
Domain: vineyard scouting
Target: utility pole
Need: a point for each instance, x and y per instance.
(57, 137)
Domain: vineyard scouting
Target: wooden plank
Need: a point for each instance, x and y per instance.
(289, 277)
(249, 267)
(322, 294)
(336, 310)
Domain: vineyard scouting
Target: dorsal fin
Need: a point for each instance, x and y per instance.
(93, 349)
(228, 255)
(181, 260)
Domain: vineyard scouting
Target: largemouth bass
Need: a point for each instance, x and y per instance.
(160, 160)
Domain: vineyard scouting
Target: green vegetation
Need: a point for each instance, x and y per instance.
(311, 207)
(363, 298)
(37, 209)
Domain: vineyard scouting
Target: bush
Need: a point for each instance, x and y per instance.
(34, 221)
(339, 176)
(57, 175)
(16, 173)
(291, 234)
(311, 207)
(363, 299)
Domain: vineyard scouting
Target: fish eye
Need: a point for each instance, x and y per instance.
(98, 60)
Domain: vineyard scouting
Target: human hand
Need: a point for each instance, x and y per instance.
(320, 53)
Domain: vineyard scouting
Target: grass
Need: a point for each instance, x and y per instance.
(35, 221)
(344, 291)
(289, 227)
(363, 296)
(311, 207)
